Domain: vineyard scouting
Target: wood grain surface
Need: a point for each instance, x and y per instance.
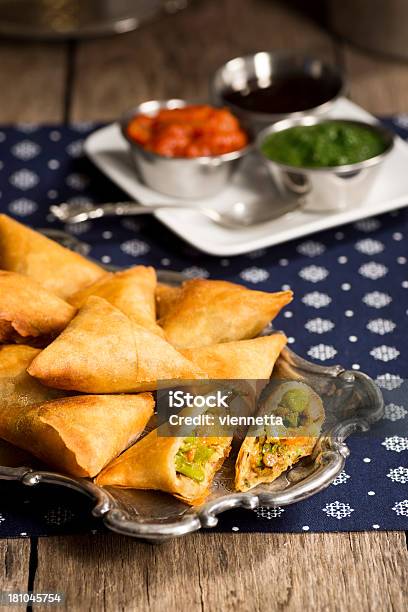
(98, 80)
(14, 566)
(242, 572)
(32, 82)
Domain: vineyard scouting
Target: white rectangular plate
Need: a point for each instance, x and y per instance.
(251, 184)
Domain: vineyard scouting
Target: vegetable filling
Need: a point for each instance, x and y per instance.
(292, 408)
(192, 457)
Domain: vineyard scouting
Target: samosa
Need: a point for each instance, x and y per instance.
(244, 360)
(132, 291)
(28, 311)
(166, 297)
(209, 312)
(18, 390)
(103, 351)
(54, 267)
(79, 435)
(268, 451)
(182, 466)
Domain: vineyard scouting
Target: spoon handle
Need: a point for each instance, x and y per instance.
(76, 213)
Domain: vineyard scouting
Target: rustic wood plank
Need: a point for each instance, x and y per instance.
(378, 84)
(14, 564)
(32, 81)
(228, 572)
(177, 55)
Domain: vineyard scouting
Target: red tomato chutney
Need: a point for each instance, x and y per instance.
(190, 131)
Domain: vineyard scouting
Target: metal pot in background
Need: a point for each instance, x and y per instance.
(375, 25)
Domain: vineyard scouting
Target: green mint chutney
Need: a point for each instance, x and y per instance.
(329, 143)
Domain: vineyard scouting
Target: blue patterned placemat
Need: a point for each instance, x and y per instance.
(351, 307)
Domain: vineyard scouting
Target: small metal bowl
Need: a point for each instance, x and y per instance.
(331, 188)
(180, 177)
(240, 73)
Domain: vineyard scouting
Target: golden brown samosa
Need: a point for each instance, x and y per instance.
(265, 454)
(103, 351)
(209, 312)
(132, 291)
(166, 296)
(80, 435)
(18, 390)
(184, 467)
(54, 267)
(28, 311)
(246, 360)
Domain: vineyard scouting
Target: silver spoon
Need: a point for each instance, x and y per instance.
(238, 216)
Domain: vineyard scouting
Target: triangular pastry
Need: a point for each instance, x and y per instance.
(132, 291)
(103, 351)
(209, 312)
(54, 267)
(80, 435)
(29, 311)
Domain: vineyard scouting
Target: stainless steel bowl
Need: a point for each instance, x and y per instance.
(263, 67)
(192, 178)
(331, 188)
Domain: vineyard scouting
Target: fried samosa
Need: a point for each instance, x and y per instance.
(166, 296)
(132, 291)
(265, 456)
(80, 435)
(103, 351)
(54, 267)
(209, 312)
(18, 390)
(28, 311)
(243, 360)
(182, 466)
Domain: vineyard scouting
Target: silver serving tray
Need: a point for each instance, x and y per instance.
(352, 403)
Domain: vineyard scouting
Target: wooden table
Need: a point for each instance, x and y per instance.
(98, 80)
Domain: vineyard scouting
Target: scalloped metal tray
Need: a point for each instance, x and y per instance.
(352, 403)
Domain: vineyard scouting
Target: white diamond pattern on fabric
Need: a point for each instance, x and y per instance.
(395, 444)
(338, 510)
(269, 513)
(25, 150)
(24, 179)
(384, 353)
(316, 299)
(254, 275)
(310, 248)
(75, 148)
(373, 270)
(342, 478)
(389, 381)
(368, 225)
(23, 207)
(369, 246)
(135, 247)
(399, 474)
(401, 507)
(322, 352)
(377, 299)
(381, 326)
(393, 412)
(314, 274)
(319, 326)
